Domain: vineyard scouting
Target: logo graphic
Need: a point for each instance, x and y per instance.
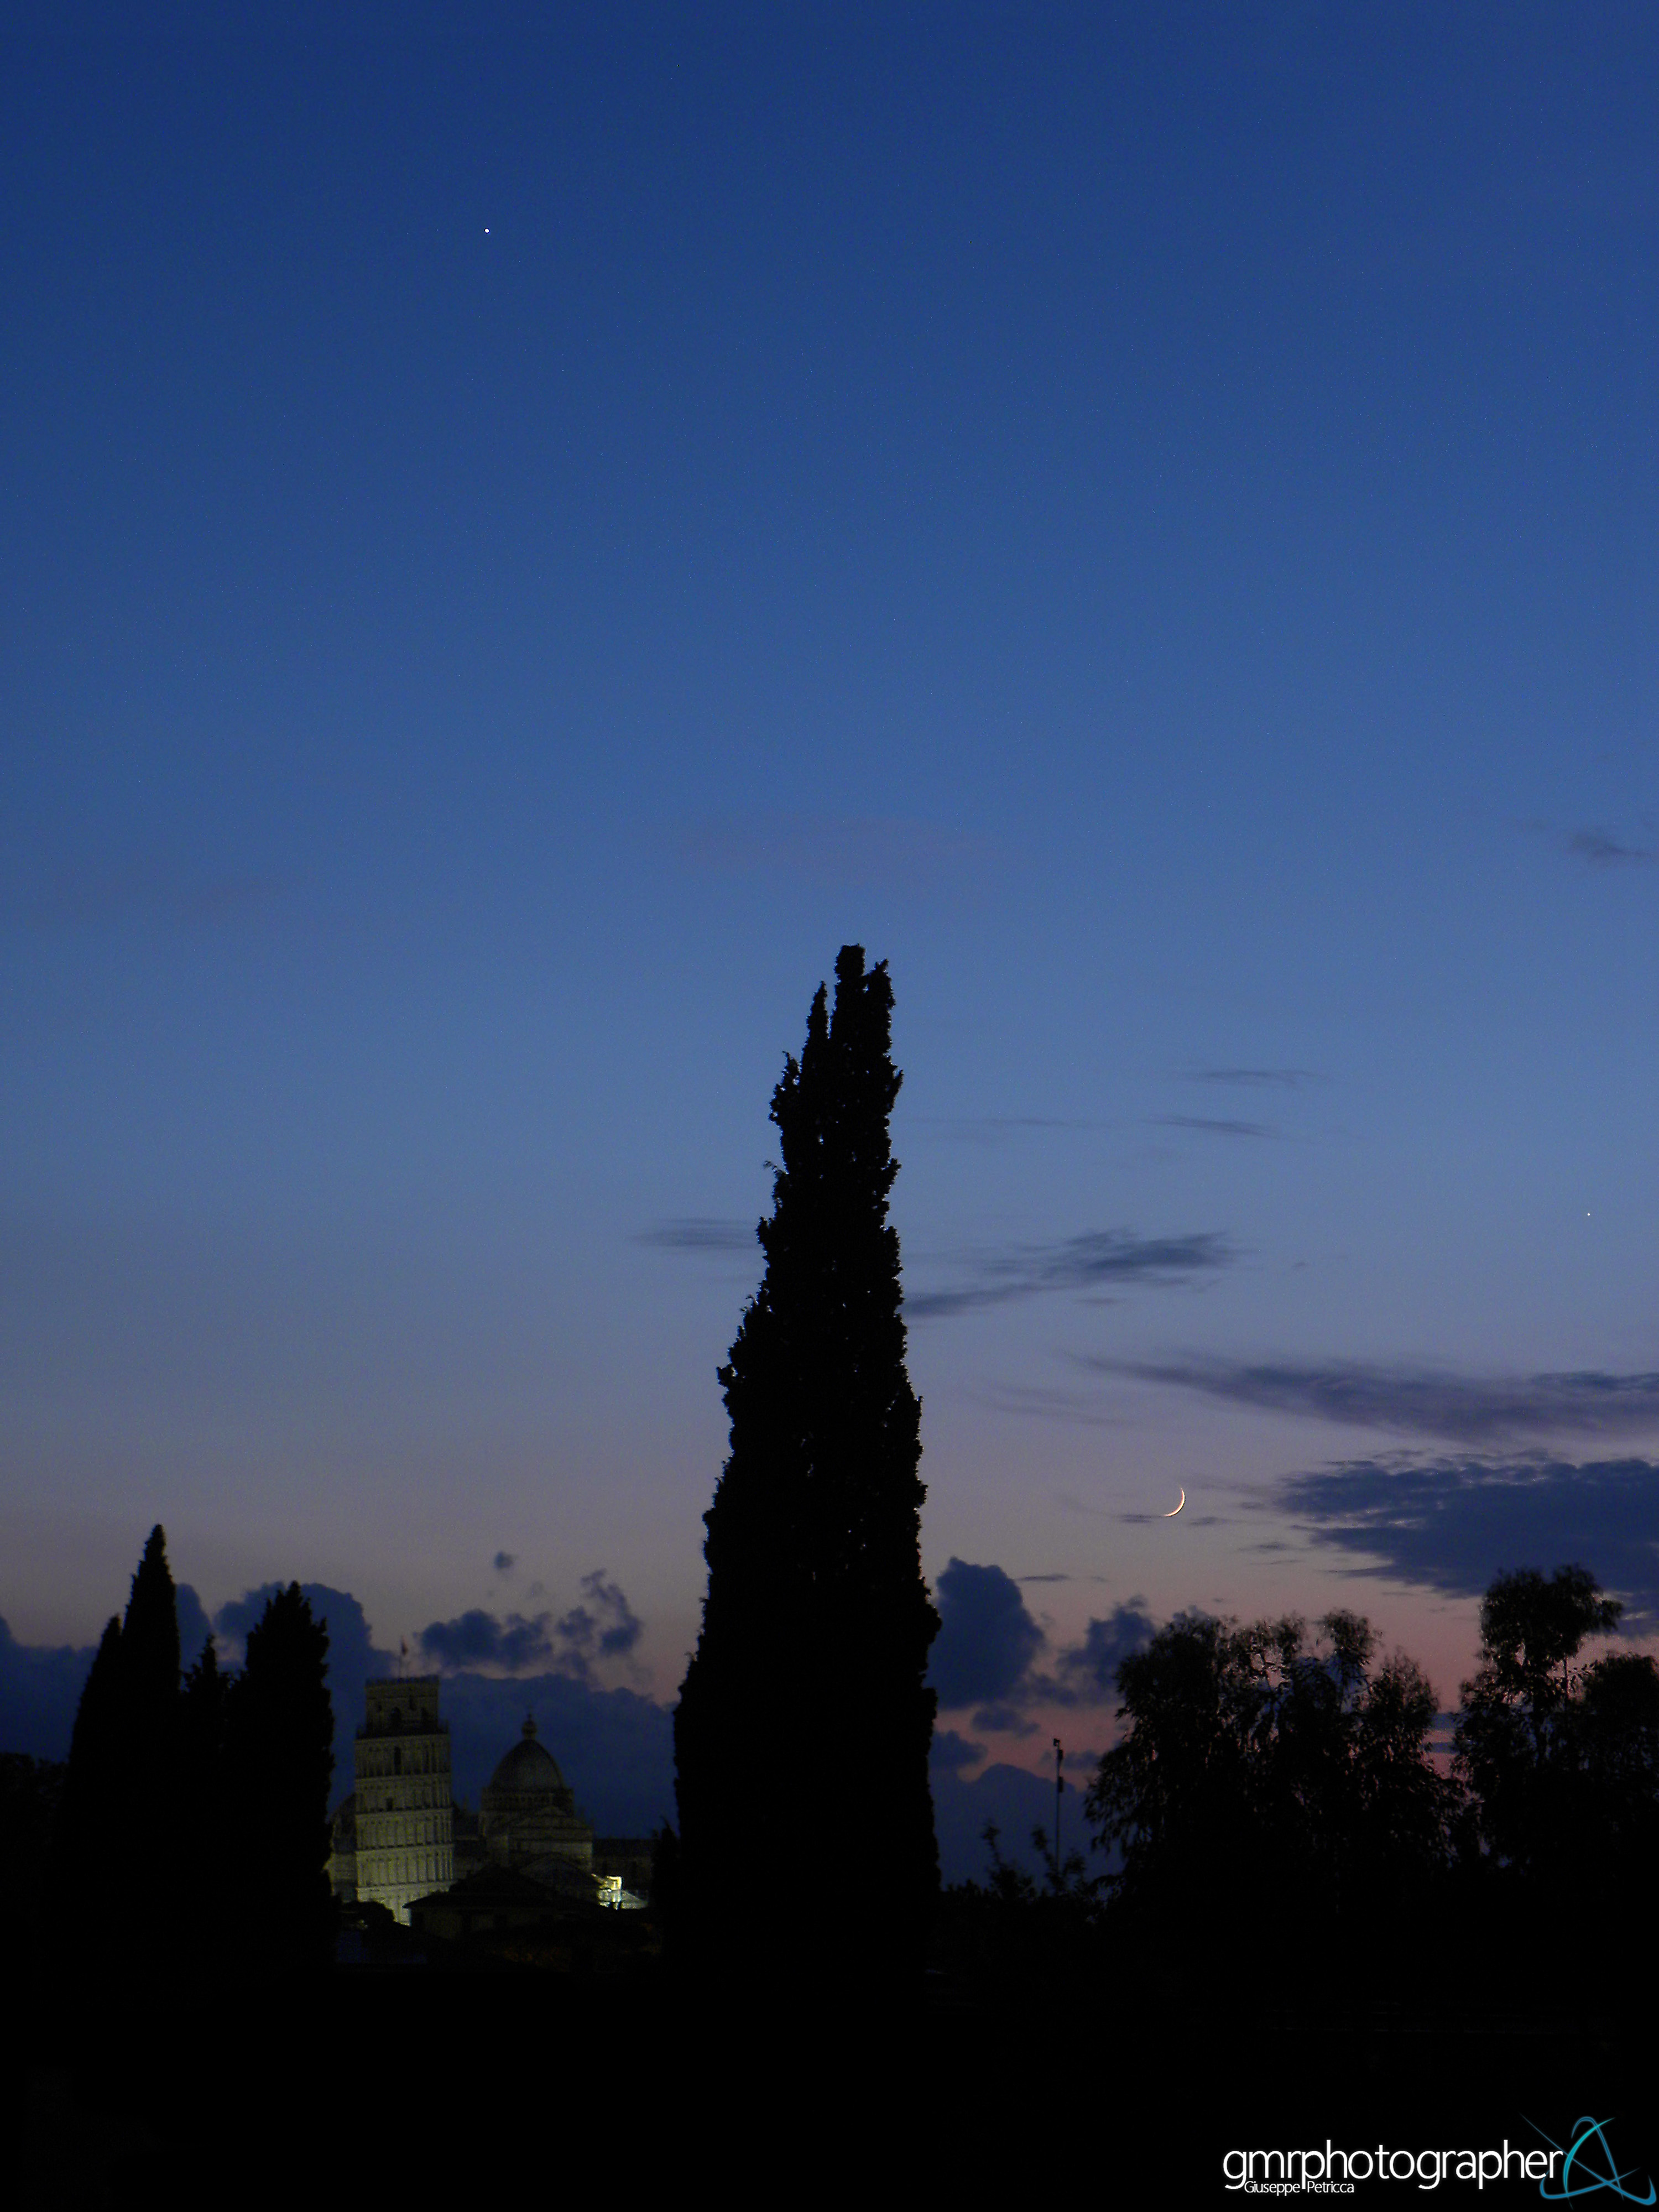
(1580, 2178)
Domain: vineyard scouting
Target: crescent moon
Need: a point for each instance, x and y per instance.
(1171, 1514)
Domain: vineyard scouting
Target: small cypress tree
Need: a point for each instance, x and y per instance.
(118, 1862)
(154, 1860)
(802, 1734)
(279, 1759)
(90, 1810)
(202, 1787)
(150, 1640)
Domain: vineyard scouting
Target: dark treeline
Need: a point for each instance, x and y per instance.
(1278, 1823)
(190, 1833)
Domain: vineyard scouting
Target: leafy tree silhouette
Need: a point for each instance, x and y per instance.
(1559, 1754)
(1270, 1785)
(804, 1714)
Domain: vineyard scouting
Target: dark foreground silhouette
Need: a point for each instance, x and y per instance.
(802, 1730)
(1314, 1935)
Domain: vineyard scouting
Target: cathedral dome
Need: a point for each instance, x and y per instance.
(528, 1768)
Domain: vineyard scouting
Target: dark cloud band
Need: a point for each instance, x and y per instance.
(701, 1233)
(1096, 1261)
(1453, 1525)
(1417, 1401)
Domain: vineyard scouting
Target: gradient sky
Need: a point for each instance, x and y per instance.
(525, 530)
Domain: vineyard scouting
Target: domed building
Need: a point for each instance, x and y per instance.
(528, 1814)
(528, 1851)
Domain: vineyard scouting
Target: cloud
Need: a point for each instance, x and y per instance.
(1098, 1258)
(194, 1625)
(604, 1628)
(40, 1687)
(1048, 1401)
(1452, 1525)
(1092, 1666)
(504, 1563)
(615, 1746)
(1013, 1801)
(994, 1128)
(986, 1640)
(1416, 1401)
(1004, 1720)
(701, 1233)
(479, 1639)
(1602, 851)
(952, 1752)
(156, 892)
(887, 851)
(987, 1651)
(1213, 1128)
(1256, 1078)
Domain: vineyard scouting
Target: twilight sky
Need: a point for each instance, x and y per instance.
(527, 529)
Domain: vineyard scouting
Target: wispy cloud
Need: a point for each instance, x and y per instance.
(1453, 1525)
(890, 851)
(995, 1128)
(1416, 1401)
(1049, 1402)
(1212, 1127)
(702, 1233)
(1602, 850)
(1091, 1263)
(97, 894)
(1257, 1078)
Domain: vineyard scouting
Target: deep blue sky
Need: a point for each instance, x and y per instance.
(523, 532)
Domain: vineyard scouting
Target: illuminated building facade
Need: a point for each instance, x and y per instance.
(402, 1807)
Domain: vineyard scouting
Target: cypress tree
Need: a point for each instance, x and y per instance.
(88, 1833)
(153, 1847)
(802, 1733)
(201, 1761)
(150, 1641)
(119, 1862)
(279, 1759)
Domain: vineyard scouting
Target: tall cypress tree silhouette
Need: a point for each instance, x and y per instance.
(119, 1862)
(154, 1856)
(279, 1759)
(89, 1811)
(802, 1733)
(201, 1802)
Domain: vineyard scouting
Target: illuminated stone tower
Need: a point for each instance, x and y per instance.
(404, 1817)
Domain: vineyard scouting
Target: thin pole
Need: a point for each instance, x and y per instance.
(1060, 1786)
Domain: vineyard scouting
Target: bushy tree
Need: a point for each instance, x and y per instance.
(802, 1733)
(1561, 1755)
(1271, 1783)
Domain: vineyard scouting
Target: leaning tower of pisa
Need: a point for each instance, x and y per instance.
(404, 1811)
